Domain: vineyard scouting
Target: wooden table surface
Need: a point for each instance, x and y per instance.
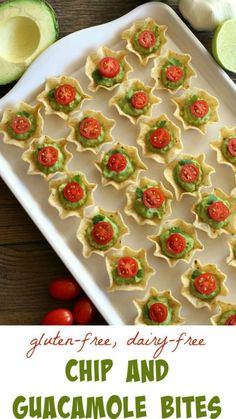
(27, 262)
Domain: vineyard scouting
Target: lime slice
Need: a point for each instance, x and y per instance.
(224, 45)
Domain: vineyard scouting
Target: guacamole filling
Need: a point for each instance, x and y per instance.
(73, 205)
(90, 142)
(146, 311)
(189, 243)
(165, 148)
(22, 136)
(142, 50)
(97, 219)
(59, 164)
(121, 175)
(63, 108)
(127, 107)
(189, 117)
(144, 211)
(171, 84)
(202, 295)
(202, 211)
(131, 280)
(225, 151)
(109, 81)
(234, 251)
(225, 318)
(187, 185)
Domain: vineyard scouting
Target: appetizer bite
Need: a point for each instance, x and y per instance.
(203, 285)
(90, 131)
(225, 147)
(177, 240)
(215, 213)
(101, 232)
(107, 69)
(47, 156)
(188, 175)
(196, 109)
(120, 166)
(172, 72)
(160, 139)
(149, 202)
(62, 96)
(134, 100)
(19, 125)
(128, 270)
(231, 259)
(226, 315)
(71, 194)
(145, 38)
(158, 308)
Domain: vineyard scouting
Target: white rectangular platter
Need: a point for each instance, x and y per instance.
(68, 56)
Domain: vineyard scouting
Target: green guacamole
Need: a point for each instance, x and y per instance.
(128, 281)
(199, 295)
(109, 81)
(187, 186)
(146, 51)
(202, 211)
(164, 150)
(189, 117)
(164, 237)
(25, 135)
(57, 167)
(63, 108)
(85, 142)
(96, 219)
(168, 83)
(225, 151)
(73, 205)
(147, 306)
(144, 211)
(225, 316)
(126, 105)
(117, 176)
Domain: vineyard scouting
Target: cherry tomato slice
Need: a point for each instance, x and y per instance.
(158, 312)
(231, 321)
(109, 67)
(64, 288)
(153, 198)
(90, 128)
(127, 267)
(160, 138)
(189, 173)
(218, 211)
(174, 73)
(199, 108)
(65, 94)
(73, 192)
(48, 156)
(176, 243)
(20, 124)
(147, 39)
(102, 232)
(117, 162)
(58, 317)
(139, 100)
(205, 283)
(232, 147)
(84, 311)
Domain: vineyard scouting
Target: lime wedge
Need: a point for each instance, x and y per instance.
(224, 45)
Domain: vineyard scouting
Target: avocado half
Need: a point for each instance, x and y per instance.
(27, 27)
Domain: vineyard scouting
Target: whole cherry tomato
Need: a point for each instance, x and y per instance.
(58, 317)
(84, 311)
(64, 288)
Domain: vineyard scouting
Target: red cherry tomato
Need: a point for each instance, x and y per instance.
(117, 162)
(84, 311)
(102, 232)
(147, 39)
(232, 147)
(205, 283)
(58, 317)
(231, 321)
(65, 94)
(64, 288)
(109, 67)
(218, 211)
(174, 73)
(48, 156)
(90, 128)
(189, 173)
(158, 312)
(73, 192)
(139, 100)
(199, 108)
(127, 267)
(20, 124)
(176, 243)
(153, 198)
(160, 138)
